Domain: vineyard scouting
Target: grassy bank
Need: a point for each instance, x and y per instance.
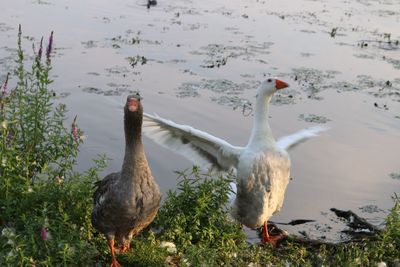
(45, 205)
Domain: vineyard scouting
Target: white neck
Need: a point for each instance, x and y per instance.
(261, 134)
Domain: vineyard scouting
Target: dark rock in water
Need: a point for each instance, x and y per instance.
(294, 222)
(151, 3)
(355, 222)
(299, 221)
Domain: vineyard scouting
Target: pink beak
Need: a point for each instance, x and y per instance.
(133, 104)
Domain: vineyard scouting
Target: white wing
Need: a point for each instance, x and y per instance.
(288, 142)
(200, 147)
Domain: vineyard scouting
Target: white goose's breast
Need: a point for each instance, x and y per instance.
(262, 180)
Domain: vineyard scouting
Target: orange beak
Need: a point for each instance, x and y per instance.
(280, 85)
(133, 104)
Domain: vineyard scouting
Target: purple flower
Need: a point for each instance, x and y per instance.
(40, 49)
(49, 46)
(4, 87)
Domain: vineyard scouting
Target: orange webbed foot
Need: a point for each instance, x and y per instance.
(273, 239)
(267, 238)
(115, 263)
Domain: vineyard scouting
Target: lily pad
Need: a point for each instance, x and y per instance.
(218, 54)
(235, 102)
(313, 118)
(89, 44)
(284, 98)
(219, 86)
(313, 81)
(395, 176)
(111, 92)
(117, 70)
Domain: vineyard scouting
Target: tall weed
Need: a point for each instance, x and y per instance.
(44, 205)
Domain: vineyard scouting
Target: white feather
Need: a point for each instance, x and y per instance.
(290, 141)
(200, 147)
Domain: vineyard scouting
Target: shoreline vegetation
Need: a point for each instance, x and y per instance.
(45, 205)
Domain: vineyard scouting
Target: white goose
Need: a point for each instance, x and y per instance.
(262, 167)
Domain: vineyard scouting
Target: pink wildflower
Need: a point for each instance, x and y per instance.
(44, 233)
(74, 130)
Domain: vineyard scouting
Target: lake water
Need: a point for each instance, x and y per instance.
(200, 62)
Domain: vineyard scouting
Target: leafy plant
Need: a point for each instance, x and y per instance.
(44, 205)
(196, 217)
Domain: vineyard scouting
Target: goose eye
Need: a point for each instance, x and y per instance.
(269, 80)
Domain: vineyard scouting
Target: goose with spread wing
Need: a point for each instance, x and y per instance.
(262, 167)
(127, 201)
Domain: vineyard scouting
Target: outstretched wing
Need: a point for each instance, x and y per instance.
(200, 147)
(290, 141)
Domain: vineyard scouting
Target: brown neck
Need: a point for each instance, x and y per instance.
(134, 151)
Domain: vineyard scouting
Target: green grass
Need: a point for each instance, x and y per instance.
(45, 205)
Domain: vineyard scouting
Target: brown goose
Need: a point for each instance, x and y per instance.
(125, 202)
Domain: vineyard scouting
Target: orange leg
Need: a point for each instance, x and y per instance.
(126, 248)
(123, 249)
(114, 262)
(267, 238)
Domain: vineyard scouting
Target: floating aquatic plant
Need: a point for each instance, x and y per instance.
(395, 176)
(313, 118)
